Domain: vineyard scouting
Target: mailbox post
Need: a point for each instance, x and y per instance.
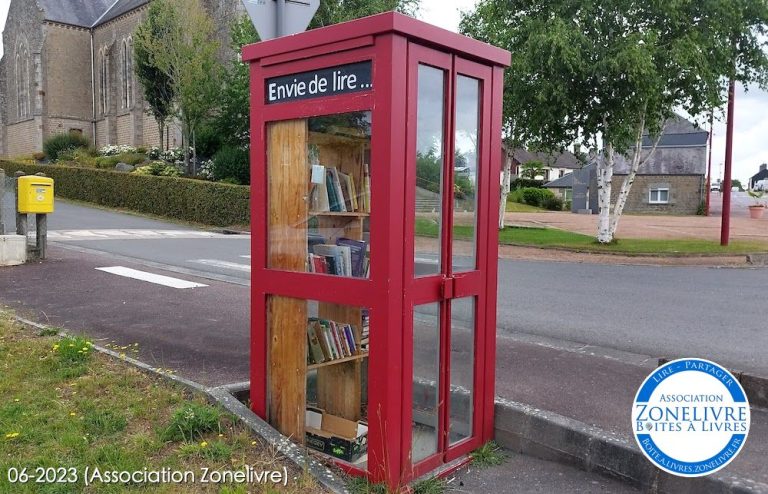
(373, 324)
(35, 196)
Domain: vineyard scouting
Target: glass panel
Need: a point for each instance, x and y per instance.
(330, 341)
(426, 379)
(430, 145)
(462, 369)
(466, 173)
(320, 194)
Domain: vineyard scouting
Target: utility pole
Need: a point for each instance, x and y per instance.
(725, 229)
(709, 164)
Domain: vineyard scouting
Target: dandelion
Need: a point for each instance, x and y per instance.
(56, 347)
(12, 435)
(16, 400)
(71, 345)
(203, 444)
(72, 414)
(253, 443)
(221, 435)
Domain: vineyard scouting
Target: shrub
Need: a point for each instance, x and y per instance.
(208, 141)
(60, 143)
(39, 156)
(524, 183)
(536, 197)
(115, 150)
(107, 162)
(159, 169)
(84, 157)
(131, 158)
(177, 198)
(232, 163)
(552, 203)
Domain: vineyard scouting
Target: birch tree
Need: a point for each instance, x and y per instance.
(606, 73)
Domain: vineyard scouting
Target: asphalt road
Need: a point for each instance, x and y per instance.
(657, 311)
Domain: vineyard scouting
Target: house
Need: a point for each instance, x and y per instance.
(555, 165)
(68, 67)
(760, 175)
(671, 181)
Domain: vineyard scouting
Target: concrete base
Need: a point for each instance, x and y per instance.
(13, 250)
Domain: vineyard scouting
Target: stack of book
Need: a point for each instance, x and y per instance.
(347, 258)
(364, 334)
(334, 191)
(330, 340)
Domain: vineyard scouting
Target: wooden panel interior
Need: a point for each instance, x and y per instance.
(339, 387)
(287, 391)
(287, 318)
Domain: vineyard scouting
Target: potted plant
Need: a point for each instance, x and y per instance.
(756, 209)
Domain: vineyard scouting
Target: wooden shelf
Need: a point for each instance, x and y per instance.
(338, 213)
(353, 358)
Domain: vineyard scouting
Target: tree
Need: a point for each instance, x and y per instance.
(156, 85)
(336, 11)
(531, 170)
(232, 122)
(605, 73)
(184, 50)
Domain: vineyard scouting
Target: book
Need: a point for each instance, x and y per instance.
(317, 328)
(316, 350)
(336, 182)
(341, 255)
(346, 191)
(350, 333)
(366, 193)
(357, 250)
(333, 199)
(354, 193)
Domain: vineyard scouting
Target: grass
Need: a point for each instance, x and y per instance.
(550, 237)
(63, 404)
(516, 207)
(489, 454)
(431, 485)
(554, 238)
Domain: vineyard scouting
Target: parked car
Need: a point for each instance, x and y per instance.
(715, 187)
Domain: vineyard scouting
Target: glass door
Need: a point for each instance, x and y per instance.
(448, 204)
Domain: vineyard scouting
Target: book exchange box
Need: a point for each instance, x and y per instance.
(375, 164)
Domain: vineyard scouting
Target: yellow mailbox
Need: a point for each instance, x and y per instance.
(35, 195)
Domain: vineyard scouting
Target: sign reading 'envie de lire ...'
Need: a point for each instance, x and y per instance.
(350, 78)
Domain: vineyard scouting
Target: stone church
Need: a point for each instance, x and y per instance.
(68, 67)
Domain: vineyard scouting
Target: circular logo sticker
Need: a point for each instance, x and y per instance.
(691, 417)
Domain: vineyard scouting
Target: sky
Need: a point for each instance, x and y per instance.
(750, 131)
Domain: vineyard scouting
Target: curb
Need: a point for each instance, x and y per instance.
(225, 396)
(550, 436)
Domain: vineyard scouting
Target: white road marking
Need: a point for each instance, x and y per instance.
(151, 278)
(116, 234)
(223, 264)
(246, 257)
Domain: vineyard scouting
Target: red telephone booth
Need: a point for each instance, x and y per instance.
(375, 178)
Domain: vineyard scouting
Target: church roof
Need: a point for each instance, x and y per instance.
(119, 8)
(87, 13)
(83, 13)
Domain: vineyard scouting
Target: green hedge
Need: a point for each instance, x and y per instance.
(197, 201)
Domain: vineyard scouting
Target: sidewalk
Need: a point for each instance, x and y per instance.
(595, 391)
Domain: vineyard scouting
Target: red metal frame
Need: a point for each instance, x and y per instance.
(395, 44)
